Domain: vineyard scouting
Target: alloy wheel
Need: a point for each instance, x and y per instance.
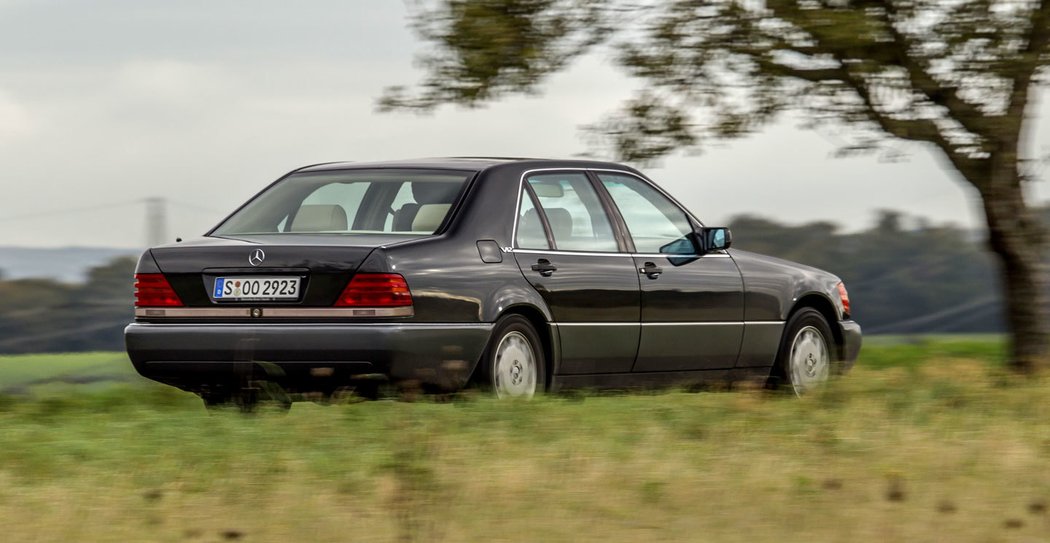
(810, 360)
(515, 367)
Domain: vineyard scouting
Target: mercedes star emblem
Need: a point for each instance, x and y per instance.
(256, 257)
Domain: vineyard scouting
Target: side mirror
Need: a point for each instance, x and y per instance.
(714, 238)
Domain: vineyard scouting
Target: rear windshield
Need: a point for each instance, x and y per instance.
(351, 202)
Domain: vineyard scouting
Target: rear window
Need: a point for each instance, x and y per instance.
(351, 202)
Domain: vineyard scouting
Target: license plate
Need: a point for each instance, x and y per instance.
(256, 288)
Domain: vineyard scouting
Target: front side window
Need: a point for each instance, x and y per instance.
(350, 202)
(656, 224)
(574, 213)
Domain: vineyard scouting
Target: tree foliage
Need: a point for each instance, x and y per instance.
(904, 275)
(485, 50)
(44, 315)
(956, 75)
(951, 73)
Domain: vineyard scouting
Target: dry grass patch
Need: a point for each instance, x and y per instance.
(950, 450)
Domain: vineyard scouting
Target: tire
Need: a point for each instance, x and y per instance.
(514, 365)
(806, 358)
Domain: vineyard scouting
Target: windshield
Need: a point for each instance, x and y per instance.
(350, 202)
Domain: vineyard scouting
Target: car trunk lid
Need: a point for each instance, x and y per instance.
(323, 264)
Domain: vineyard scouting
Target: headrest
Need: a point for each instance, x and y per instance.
(547, 189)
(429, 217)
(561, 223)
(530, 231)
(435, 192)
(319, 218)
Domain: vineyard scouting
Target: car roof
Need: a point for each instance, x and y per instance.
(464, 163)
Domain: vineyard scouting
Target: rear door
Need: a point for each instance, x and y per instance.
(566, 248)
(692, 307)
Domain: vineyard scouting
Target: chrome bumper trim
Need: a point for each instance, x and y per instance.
(271, 312)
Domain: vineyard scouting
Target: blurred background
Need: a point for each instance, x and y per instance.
(124, 124)
(127, 123)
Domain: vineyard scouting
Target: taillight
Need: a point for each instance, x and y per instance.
(375, 290)
(153, 290)
(844, 296)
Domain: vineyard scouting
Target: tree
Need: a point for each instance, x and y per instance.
(44, 315)
(940, 287)
(957, 75)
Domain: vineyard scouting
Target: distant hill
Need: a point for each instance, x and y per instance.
(67, 264)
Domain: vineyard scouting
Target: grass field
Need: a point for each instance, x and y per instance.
(926, 440)
(20, 375)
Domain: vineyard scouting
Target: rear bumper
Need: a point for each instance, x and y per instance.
(851, 341)
(305, 357)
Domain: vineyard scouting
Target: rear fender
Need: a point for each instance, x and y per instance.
(514, 295)
(147, 264)
(525, 301)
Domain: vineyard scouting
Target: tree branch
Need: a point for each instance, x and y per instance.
(812, 75)
(1038, 42)
(924, 130)
(919, 130)
(966, 114)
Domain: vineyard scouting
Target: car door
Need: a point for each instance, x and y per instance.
(567, 249)
(692, 306)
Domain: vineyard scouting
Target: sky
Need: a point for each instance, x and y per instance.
(204, 102)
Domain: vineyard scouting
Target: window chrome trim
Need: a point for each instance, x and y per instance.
(636, 255)
(650, 182)
(568, 253)
(271, 312)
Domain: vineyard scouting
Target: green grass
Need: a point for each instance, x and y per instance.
(915, 351)
(879, 352)
(922, 442)
(24, 373)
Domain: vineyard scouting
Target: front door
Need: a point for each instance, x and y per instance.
(692, 306)
(567, 250)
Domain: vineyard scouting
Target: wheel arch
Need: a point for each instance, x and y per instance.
(547, 334)
(827, 309)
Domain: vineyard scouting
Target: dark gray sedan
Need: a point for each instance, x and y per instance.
(520, 275)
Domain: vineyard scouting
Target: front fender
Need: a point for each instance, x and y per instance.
(773, 287)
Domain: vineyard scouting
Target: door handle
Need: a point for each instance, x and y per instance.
(652, 271)
(545, 267)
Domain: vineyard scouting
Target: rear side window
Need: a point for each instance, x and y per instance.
(531, 234)
(574, 214)
(351, 202)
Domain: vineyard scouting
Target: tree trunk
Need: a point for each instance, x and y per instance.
(1016, 237)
